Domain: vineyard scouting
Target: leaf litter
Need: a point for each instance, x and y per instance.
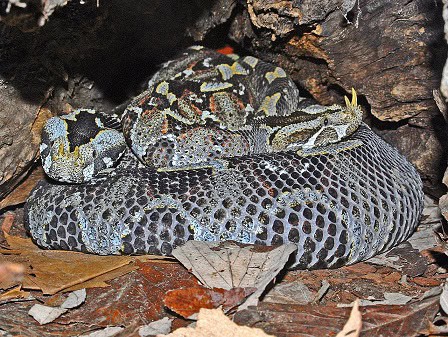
(159, 327)
(52, 271)
(214, 323)
(328, 287)
(45, 314)
(229, 265)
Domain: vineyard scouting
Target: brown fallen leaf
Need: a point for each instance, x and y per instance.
(354, 324)
(135, 297)
(187, 302)
(100, 281)
(15, 293)
(21, 192)
(213, 323)
(304, 320)
(230, 264)
(52, 271)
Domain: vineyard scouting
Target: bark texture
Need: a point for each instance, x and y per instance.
(391, 52)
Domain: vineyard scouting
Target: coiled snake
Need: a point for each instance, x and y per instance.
(231, 153)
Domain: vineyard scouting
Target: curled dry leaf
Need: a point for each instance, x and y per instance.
(187, 302)
(354, 324)
(213, 323)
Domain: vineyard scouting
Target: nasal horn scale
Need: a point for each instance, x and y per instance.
(354, 103)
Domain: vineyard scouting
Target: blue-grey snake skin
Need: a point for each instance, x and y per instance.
(338, 207)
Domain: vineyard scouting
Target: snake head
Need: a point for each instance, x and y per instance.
(316, 126)
(337, 122)
(76, 147)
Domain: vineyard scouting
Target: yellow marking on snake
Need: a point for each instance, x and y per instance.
(251, 61)
(273, 75)
(164, 89)
(61, 150)
(229, 71)
(269, 105)
(215, 86)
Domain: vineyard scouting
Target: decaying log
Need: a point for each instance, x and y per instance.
(441, 98)
(21, 113)
(391, 52)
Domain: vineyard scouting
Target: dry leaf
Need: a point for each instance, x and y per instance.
(431, 212)
(162, 326)
(44, 314)
(230, 265)
(290, 292)
(52, 271)
(100, 281)
(8, 221)
(74, 299)
(444, 298)
(213, 323)
(107, 332)
(354, 324)
(21, 192)
(318, 321)
(389, 299)
(187, 302)
(404, 258)
(443, 201)
(15, 293)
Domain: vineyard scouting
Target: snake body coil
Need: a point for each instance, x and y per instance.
(339, 206)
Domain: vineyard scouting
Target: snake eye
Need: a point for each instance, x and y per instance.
(326, 121)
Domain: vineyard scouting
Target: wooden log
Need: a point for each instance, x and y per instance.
(391, 52)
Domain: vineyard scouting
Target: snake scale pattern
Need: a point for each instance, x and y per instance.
(222, 148)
